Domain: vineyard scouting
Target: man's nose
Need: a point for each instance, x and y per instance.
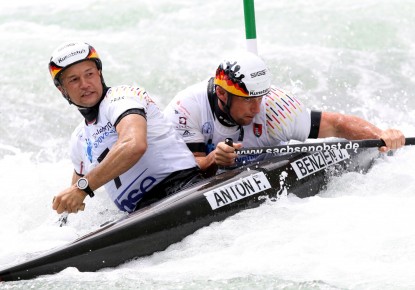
(256, 105)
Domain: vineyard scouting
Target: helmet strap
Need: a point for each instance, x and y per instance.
(225, 117)
(223, 114)
(65, 94)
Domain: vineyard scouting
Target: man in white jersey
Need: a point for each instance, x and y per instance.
(123, 142)
(240, 103)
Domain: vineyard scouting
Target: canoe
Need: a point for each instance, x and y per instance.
(168, 221)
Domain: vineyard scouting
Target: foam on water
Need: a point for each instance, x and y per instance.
(355, 57)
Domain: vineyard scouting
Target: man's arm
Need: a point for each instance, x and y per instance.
(355, 128)
(127, 151)
(331, 125)
(204, 161)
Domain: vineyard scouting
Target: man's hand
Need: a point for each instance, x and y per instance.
(393, 139)
(225, 155)
(70, 200)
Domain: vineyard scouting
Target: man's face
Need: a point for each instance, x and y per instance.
(82, 83)
(243, 110)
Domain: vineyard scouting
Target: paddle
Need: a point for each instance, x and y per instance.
(63, 219)
(319, 146)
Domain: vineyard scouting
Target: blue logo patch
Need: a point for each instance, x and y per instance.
(89, 149)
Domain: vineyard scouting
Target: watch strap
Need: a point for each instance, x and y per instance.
(89, 191)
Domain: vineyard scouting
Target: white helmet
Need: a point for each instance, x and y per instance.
(68, 54)
(244, 75)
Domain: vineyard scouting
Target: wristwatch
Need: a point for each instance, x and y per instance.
(83, 184)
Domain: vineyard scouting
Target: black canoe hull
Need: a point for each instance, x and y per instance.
(156, 227)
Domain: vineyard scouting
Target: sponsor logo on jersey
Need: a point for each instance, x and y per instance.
(257, 130)
(116, 98)
(89, 149)
(182, 120)
(207, 128)
(101, 130)
(237, 190)
(134, 192)
(102, 133)
(318, 161)
(186, 133)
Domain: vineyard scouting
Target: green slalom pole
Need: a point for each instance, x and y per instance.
(250, 29)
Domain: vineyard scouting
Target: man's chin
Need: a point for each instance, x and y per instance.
(245, 122)
(90, 102)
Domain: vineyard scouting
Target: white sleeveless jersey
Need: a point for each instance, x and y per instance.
(282, 118)
(166, 151)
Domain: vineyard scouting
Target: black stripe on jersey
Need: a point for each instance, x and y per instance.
(129, 112)
(197, 147)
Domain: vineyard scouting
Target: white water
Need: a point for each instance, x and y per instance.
(357, 57)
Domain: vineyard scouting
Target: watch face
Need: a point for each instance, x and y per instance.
(82, 183)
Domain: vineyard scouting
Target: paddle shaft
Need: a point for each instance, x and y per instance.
(63, 219)
(319, 146)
